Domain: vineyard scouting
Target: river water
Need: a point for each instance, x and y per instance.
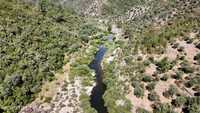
(96, 100)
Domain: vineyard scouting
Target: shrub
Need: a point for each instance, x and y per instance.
(171, 91)
(186, 68)
(152, 96)
(175, 45)
(151, 86)
(141, 110)
(164, 65)
(180, 49)
(192, 105)
(35, 41)
(197, 57)
(138, 91)
(147, 79)
(85, 104)
(147, 62)
(163, 108)
(191, 82)
(178, 75)
(196, 88)
(194, 108)
(198, 46)
(48, 99)
(165, 77)
(16, 80)
(179, 101)
(135, 84)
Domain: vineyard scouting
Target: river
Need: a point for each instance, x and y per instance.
(96, 100)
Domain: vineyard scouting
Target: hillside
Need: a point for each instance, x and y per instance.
(100, 56)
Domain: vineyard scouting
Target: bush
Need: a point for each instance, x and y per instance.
(147, 79)
(191, 82)
(16, 80)
(138, 91)
(163, 108)
(141, 110)
(135, 84)
(192, 105)
(196, 88)
(34, 42)
(180, 49)
(165, 77)
(179, 101)
(48, 99)
(186, 68)
(151, 86)
(194, 108)
(175, 45)
(152, 96)
(178, 75)
(164, 65)
(198, 46)
(171, 91)
(85, 104)
(197, 57)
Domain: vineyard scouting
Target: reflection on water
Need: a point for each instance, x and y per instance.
(97, 101)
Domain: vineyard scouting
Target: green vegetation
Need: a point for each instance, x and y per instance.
(118, 7)
(147, 79)
(171, 91)
(186, 67)
(85, 104)
(114, 92)
(151, 86)
(164, 65)
(141, 110)
(197, 58)
(33, 42)
(192, 81)
(163, 108)
(155, 40)
(193, 105)
(165, 77)
(139, 91)
(179, 101)
(152, 96)
(178, 75)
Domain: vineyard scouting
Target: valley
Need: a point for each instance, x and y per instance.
(99, 56)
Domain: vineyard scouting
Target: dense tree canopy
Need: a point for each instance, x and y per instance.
(33, 41)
